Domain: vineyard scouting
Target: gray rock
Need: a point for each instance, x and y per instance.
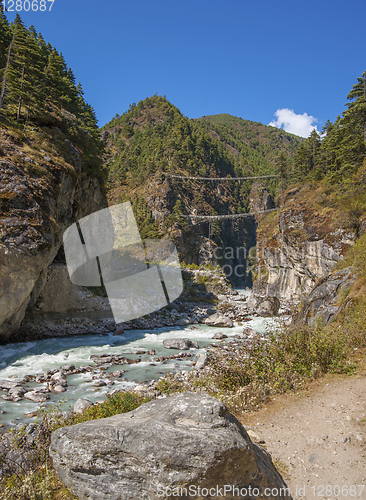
(219, 336)
(183, 322)
(219, 320)
(327, 298)
(99, 383)
(201, 361)
(268, 307)
(58, 376)
(68, 368)
(7, 384)
(37, 397)
(119, 331)
(187, 439)
(59, 388)
(81, 404)
(181, 344)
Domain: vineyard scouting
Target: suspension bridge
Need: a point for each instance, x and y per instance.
(213, 179)
(211, 218)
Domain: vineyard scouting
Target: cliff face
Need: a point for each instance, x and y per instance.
(224, 242)
(42, 191)
(296, 246)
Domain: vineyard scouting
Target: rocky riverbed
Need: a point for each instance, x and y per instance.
(44, 372)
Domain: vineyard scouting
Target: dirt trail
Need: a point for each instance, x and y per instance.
(317, 439)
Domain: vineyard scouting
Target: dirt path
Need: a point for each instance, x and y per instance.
(317, 439)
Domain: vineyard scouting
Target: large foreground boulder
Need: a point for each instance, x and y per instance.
(187, 440)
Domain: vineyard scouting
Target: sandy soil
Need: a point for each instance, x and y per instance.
(317, 439)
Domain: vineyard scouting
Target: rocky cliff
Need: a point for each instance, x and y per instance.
(297, 245)
(43, 189)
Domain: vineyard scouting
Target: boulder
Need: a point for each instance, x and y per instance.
(68, 368)
(81, 404)
(263, 306)
(201, 361)
(59, 388)
(219, 320)
(8, 384)
(37, 397)
(268, 307)
(181, 344)
(219, 336)
(185, 440)
(183, 322)
(119, 331)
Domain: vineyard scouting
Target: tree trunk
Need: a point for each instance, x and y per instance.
(3, 86)
(20, 97)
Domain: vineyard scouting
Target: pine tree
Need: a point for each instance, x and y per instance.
(5, 37)
(22, 75)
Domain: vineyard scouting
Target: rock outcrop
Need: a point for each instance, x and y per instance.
(327, 298)
(41, 194)
(296, 247)
(187, 440)
(260, 198)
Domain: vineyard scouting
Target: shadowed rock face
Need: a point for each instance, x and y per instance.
(35, 210)
(187, 439)
(296, 247)
(325, 300)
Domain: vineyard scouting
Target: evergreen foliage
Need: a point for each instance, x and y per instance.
(343, 147)
(37, 87)
(154, 136)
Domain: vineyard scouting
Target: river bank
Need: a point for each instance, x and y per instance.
(67, 368)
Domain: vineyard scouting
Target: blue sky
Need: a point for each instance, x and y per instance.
(249, 59)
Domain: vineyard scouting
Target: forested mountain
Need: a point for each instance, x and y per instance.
(153, 138)
(37, 88)
(254, 146)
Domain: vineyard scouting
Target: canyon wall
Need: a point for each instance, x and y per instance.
(296, 246)
(42, 192)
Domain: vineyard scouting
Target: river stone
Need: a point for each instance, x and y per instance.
(59, 388)
(264, 306)
(119, 331)
(8, 384)
(219, 336)
(181, 344)
(68, 368)
(201, 361)
(37, 397)
(186, 439)
(219, 320)
(183, 322)
(81, 404)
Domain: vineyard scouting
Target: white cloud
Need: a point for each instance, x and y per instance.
(291, 122)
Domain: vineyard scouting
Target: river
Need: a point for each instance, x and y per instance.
(31, 358)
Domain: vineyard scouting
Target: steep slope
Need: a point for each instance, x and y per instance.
(323, 215)
(152, 141)
(51, 170)
(254, 146)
